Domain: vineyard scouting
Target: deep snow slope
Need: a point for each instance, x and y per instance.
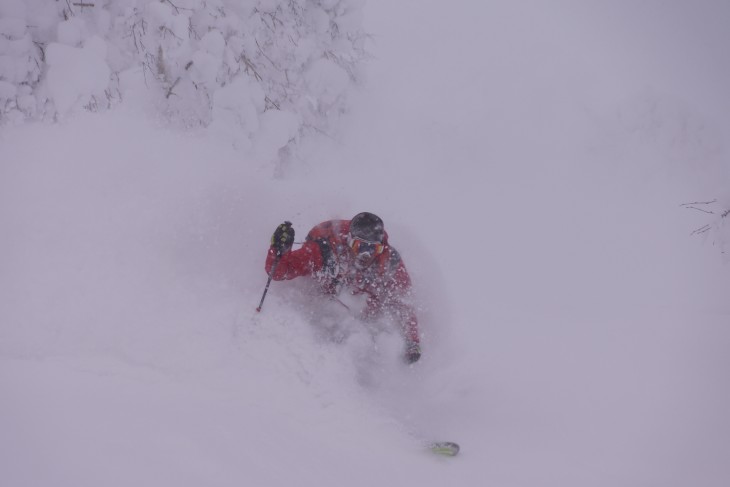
(131, 352)
(529, 163)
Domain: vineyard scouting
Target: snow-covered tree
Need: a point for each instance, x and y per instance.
(21, 63)
(264, 71)
(717, 228)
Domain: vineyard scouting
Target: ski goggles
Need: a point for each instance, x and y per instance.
(360, 246)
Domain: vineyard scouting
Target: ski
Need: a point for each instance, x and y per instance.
(445, 448)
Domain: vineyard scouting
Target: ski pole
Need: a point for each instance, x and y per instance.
(268, 283)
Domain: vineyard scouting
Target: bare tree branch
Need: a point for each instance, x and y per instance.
(699, 209)
(169, 91)
(270, 103)
(702, 229)
(249, 65)
(700, 203)
(165, 29)
(263, 53)
(177, 9)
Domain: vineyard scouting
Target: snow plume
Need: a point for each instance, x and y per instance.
(269, 70)
(139, 317)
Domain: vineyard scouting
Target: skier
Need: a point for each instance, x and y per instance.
(352, 254)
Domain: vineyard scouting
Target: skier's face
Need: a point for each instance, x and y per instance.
(364, 252)
(363, 260)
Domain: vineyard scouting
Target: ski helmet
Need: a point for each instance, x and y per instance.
(367, 226)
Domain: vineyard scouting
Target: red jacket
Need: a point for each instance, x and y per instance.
(326, 256)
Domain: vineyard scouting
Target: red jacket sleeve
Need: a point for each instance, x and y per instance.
(301, 262)
(395, 296)
(402, 305)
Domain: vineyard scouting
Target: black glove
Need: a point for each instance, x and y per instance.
(413, 352)
(283, 238)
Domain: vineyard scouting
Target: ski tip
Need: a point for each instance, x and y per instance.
(445, 448)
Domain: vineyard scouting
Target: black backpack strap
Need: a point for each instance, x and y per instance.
(329, 262)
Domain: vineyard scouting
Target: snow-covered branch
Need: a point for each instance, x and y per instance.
(202, 61)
